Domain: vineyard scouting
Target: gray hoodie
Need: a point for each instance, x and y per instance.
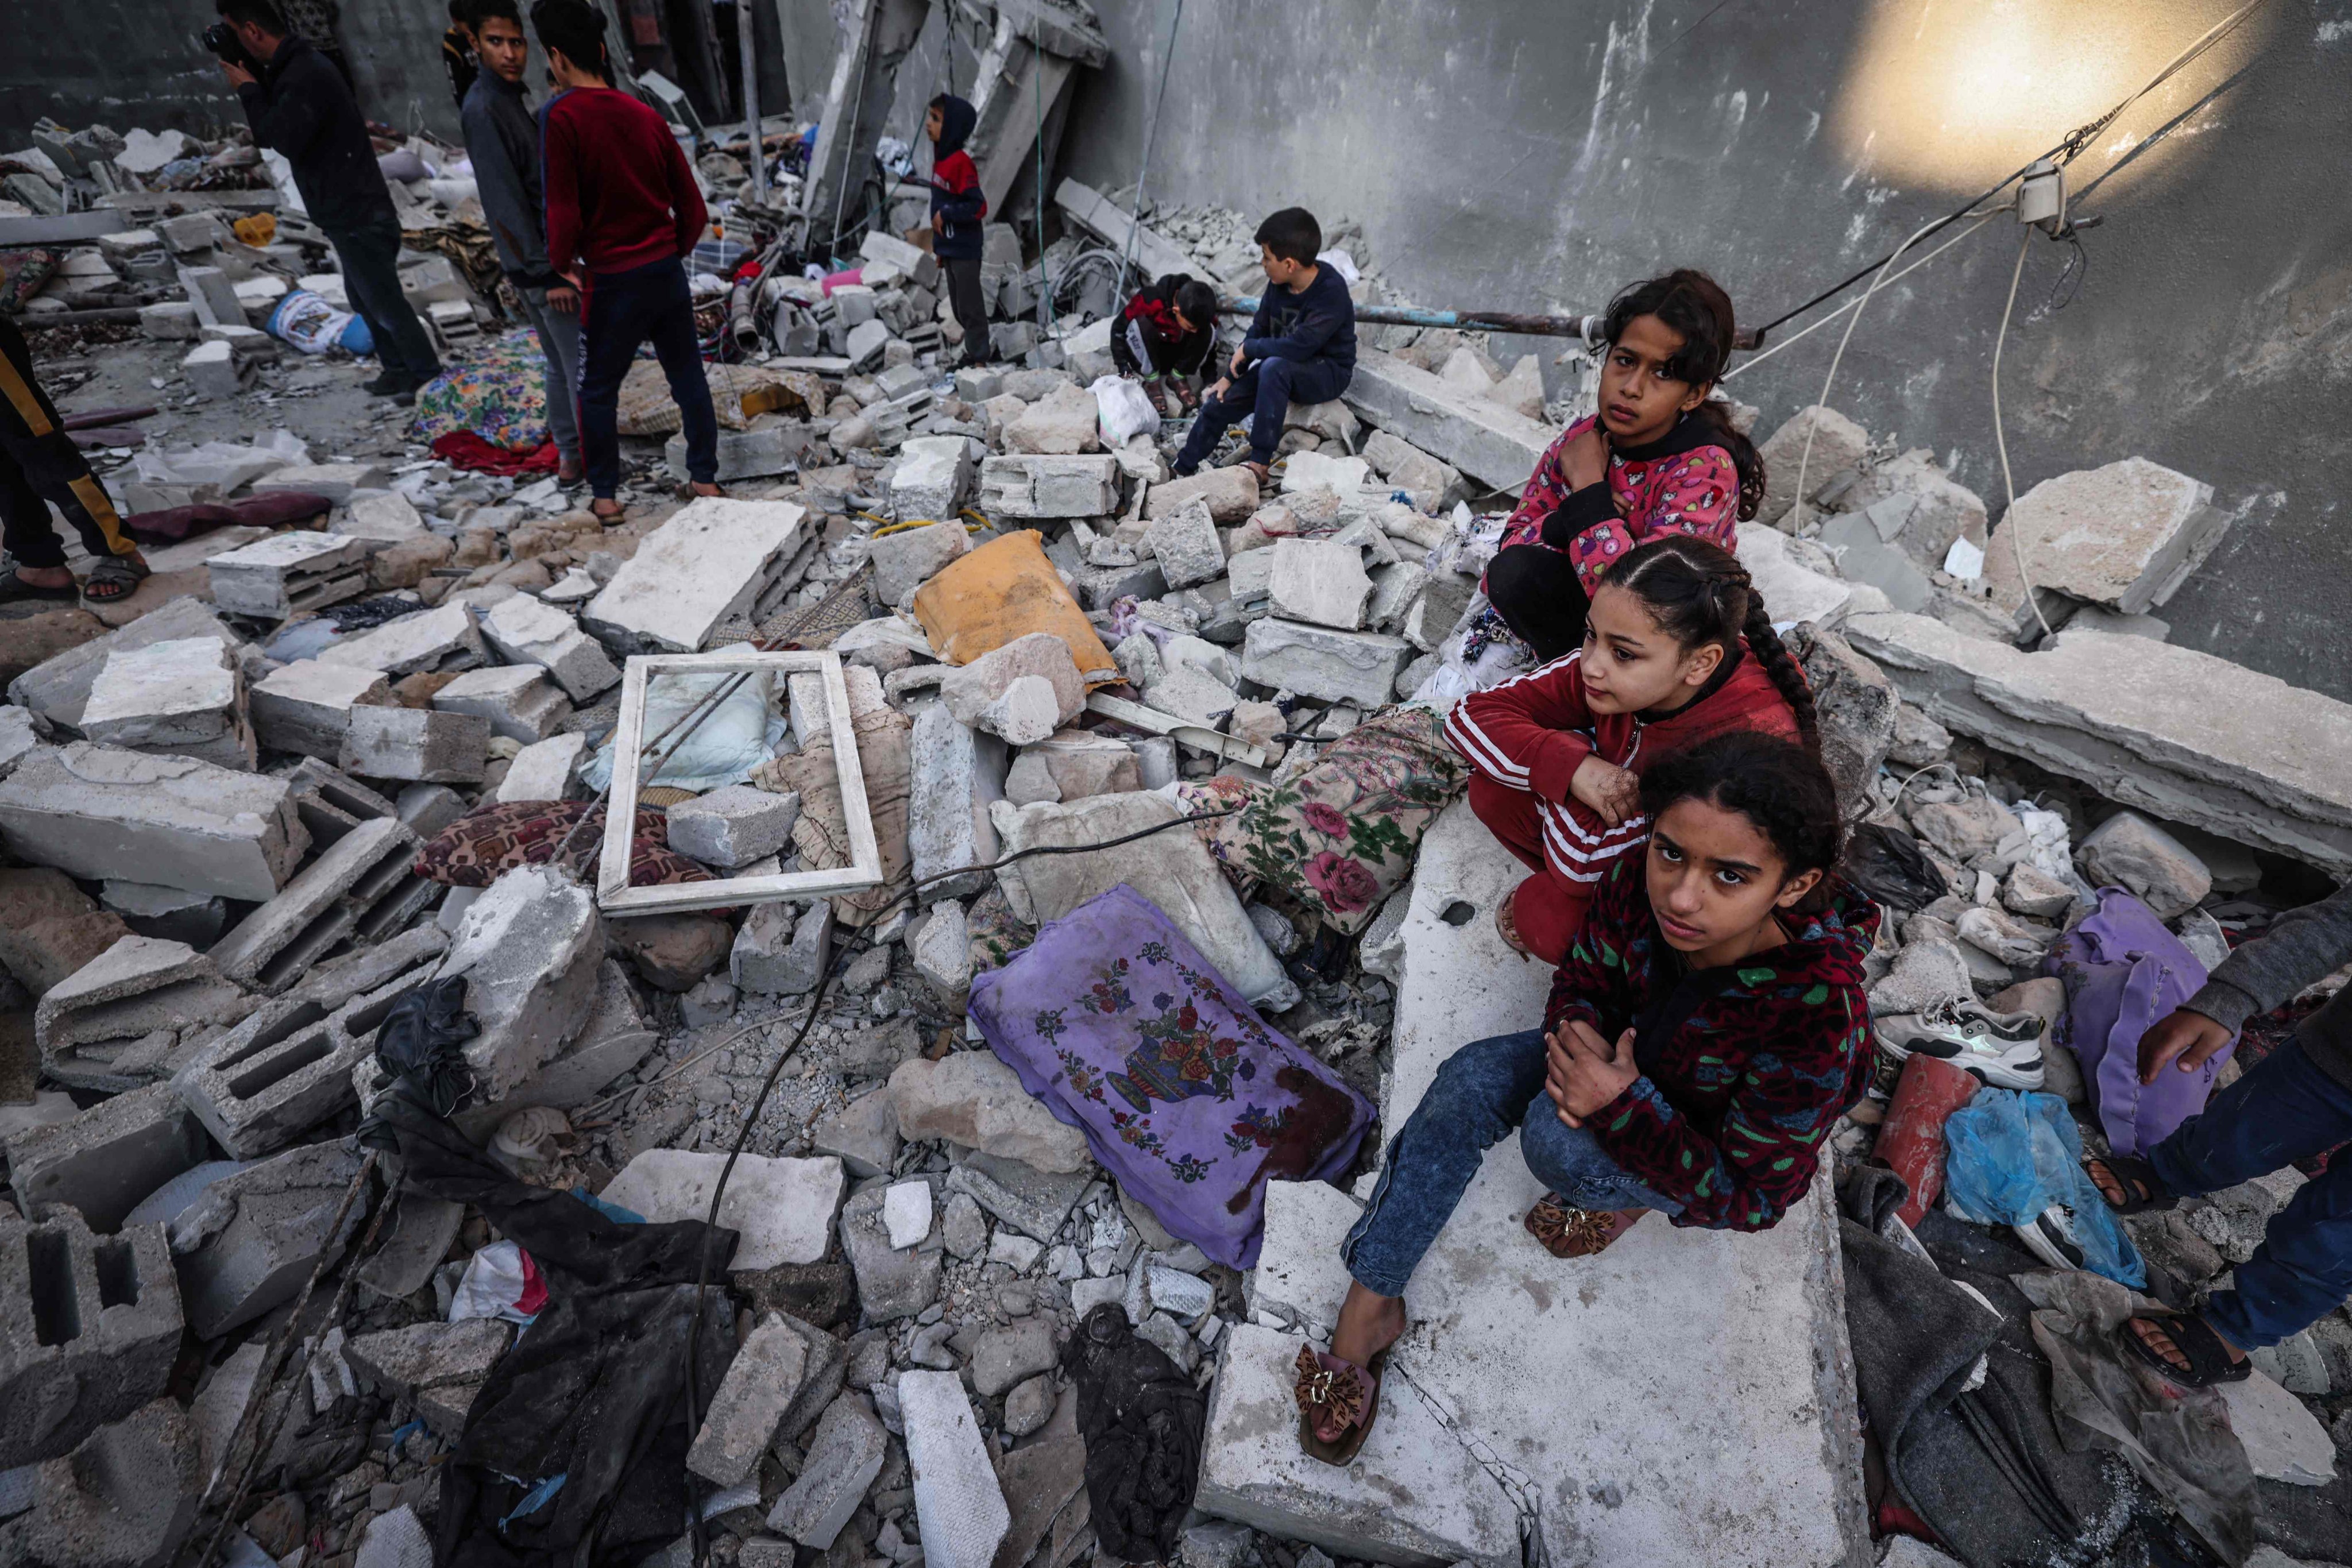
(502, 138)
(2302, 946)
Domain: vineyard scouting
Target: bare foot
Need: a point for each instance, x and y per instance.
(46, 576)
(1369, 1323)
(703, 489)
(604, 508)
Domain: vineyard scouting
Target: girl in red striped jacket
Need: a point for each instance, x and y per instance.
(1678, 647)
(1657, 458)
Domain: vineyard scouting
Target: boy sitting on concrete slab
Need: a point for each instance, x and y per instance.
(1301, 347)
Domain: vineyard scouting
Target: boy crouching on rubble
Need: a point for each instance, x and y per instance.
(1704, 1033)
(1657, 457)
(1301, 347)
(1166, 332)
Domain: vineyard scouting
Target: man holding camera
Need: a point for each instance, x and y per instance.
(299, 107)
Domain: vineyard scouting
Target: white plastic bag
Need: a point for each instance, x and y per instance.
(731, 740)
(1123, 410)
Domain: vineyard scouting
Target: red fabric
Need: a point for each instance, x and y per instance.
(619, 194)
(468, 450)
(1547, 910)
(533, 1299)
(1695, 491)
(958, 175)
(275, 508)
(1528, 736)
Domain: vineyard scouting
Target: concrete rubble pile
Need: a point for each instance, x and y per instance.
(214, 805)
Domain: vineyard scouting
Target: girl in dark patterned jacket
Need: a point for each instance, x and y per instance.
(1706, 1031)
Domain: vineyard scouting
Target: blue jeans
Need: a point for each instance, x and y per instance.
(2283, 1110)
(1262, 393)
(370, 258)
(1484, 1090)
(625, 309)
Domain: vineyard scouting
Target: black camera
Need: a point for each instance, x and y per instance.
(222, 39)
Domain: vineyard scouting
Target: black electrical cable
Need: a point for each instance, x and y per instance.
(862, 941)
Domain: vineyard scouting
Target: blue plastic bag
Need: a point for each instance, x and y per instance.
(2010, 1156)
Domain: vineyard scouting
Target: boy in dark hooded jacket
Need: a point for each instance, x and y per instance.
(958, 206)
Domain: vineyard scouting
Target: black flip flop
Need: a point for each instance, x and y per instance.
(2144, 1190)
(14, 590)
(2192, 1336)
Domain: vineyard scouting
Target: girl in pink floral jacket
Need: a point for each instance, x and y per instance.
(1658, 458)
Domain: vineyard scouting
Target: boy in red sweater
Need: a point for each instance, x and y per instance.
(957, 207)
(623, 210)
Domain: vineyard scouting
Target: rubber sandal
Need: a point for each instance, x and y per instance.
(1263, 471)
(1506, 926)
(1329, 1382)
(618, 514)
(117, 572)
(2192, 1336)
(687, 493)
(14, 590)
(1566, 1231)
(2137, 1179)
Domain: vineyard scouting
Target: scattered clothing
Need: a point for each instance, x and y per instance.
(273, 509)
(2124, 971)
(620, 197)
(623, 309)
(1684, 482)
(299, 106)
(959, 206)
(1143, 1420)
(40, 466)
(497, 392)
(1146, 339)
(1524, 741)
(1117, 1022)
(464, 449)
(1743, 1068)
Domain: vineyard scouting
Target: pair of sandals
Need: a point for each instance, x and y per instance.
(619, 510)
(113, 579)
(2206, 1353)
(1328, 1386)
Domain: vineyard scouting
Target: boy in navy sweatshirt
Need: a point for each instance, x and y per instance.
(1301, 346)
(958, 206)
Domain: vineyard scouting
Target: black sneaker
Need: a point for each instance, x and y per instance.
(391, 384)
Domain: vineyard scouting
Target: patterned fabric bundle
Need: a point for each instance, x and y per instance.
(477, 848)
(497, 393)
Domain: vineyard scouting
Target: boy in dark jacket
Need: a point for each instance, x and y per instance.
(958, 206)
(1167, 331)
(299, 107)
(1301, 347)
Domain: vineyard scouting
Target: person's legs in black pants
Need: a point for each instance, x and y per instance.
(1218, 415)
(371, 261)
(970, 310)
(625, 309)
(39, 464)
(1281, 382)
(1540, 598)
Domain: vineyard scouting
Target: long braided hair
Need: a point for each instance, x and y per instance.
(1698, 594)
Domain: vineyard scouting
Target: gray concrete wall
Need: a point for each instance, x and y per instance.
(1527, 154)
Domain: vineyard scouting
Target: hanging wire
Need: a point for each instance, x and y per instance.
(1143, 173)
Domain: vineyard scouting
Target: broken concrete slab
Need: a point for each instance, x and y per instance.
(90, 1327)
(733, 826)
(1319, 581)
(957, 774)
(1791, 591)
(1184, 541)
(772, 445)
(1035, 1202)
(305, 706)
(891, 1283)
(1231, 495)
(336, 481)
(959, 1506)
(906, 560)
(760, 1383)
(1045, 485)
(933, 475)
(546, 770)
(525, 630)
(97, 812)
(973, 1099)
(1355, 667)
(715, 558)
(361, 886)
(1475, 436)
(101, 1162)
(614, 1040)
(864, 1135)
(519, 700)
(1041, 1477)
(2181, 735)
(419, 744)
(173, 914)
(2130, 851)
(274, 577)
(250, 1241)
(781, 1209)
(907, 1214)
(1837, 445)
(184, 697)
(113, 1024)
(438, 1366)
(124, 1499)
(528, 948)
(439, 639)
(55, 689)
(2125, 535)
(969, 689)
(49, 928)
(844, 1456)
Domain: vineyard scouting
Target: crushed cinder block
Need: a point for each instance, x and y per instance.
(970, 690)
(332, 803)
(760, 1384)
(772, 445)
(906, 559)
(1462, 428)
(249, 1240)
(90, 1327)
(184, 697)
(1358, 667)
(55, 689)
(1184, 541)
(518, 700)
(844, 1456)
(526, 630)
(782, 1208)
(305, 706)
(97, 812)
(440, 1367)
(114, 1023)
(958, 1505)
(1038, 485)
(272, 578)
(1321, 582)
(715, 558)
(530, 949)
(360, 887)
(173, 914)
(956, 772)
(126, 1497)
(614, 1040)
(1231, 495)
(545, 769)
(436, 640)
(731, 828)
(933, 475)
(418, 743)
(288, 1066)
(2125, 535)
(213, 373)
(103, 1161)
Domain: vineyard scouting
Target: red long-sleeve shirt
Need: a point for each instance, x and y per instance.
(619, 194)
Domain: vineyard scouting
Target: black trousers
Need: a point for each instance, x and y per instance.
(970, 310)
(39, 464)
(371, 258)
(1539, 597)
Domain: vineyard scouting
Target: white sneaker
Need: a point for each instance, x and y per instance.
(2003, 1050)
(2051, 1237)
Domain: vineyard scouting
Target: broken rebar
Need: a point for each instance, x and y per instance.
(1586, 327)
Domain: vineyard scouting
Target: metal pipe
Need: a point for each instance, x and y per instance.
(747, 37)
(1587, 328)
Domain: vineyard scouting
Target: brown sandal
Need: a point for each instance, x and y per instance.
(1326, 1381)
(1569, 1232)
(1506, 926)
